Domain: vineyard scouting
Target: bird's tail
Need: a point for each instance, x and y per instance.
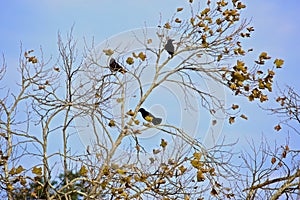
(156, 121)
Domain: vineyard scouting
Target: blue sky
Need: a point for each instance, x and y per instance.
(35, 23)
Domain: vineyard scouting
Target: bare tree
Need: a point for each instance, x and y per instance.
(89, 93)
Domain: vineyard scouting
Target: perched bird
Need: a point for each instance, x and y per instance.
(169, 47)
(149, 117)
(116, 67)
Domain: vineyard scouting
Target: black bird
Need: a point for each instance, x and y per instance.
(116, 67)
(169, 47)
(149, 117)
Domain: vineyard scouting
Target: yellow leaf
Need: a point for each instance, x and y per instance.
(261, 85)
(37, 170)
(10, 187)
(19, 169)
(197, 155)
(278, 63)
(196, 163)
(129, 61)
(97, 95)
(200, 176)
(23, 182)
(142, 56)
(264, 56)
(271, 72)
(269, 86)
(182, 169)
(106, 171)
(137, 122)
(167, 25)
(263, 98)
(163, 143)
(149, 41)
(12, 171)
(192, 20)
(83, 171)
(121, 171)
(222, 3)
(179, 9)
(108, 52)
(103, 184)
(219, 21)
(232, 86)
(240, 5)
(205, 11)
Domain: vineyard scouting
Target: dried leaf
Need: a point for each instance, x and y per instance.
(231, 120)
(287, 148)
(250, 29)
(284, 154)
(234, 106)
(213, 192)
(56, 69)
(277, 128)
(244, 116)
(177, 20)
(130, 112)
(273, 160)
(214, 122)
(111, 123)
(108, 52)
(156, 151)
